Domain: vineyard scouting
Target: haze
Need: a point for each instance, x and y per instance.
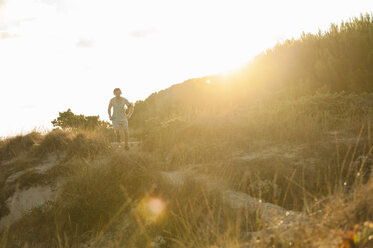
(59, 54)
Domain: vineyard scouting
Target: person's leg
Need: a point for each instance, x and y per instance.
(125, 130)
(117, 133)
(116, 130)
(126, 137)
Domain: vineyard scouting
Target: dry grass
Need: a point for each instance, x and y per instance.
(311, 155)
(96, 192)
(13, 147)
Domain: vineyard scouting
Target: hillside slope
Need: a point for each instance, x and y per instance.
(339, 59)
(276, 154)
(65, 197)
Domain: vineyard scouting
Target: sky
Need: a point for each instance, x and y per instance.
(60, 54)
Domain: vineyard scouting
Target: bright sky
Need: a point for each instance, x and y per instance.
(59, 54)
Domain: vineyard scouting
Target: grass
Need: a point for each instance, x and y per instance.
(312, 155)
(13, 147)
(26, 152)
(328, 131)
(95, 193)
(16, 166)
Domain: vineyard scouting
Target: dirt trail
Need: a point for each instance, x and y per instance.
(276, 219)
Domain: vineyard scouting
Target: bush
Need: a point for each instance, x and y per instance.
(69, 120)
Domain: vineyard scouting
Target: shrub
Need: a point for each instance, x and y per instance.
(69, 120)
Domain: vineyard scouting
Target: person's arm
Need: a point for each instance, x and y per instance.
(131, 109)
(109, 109)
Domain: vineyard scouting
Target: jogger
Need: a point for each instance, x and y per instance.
(119, 117)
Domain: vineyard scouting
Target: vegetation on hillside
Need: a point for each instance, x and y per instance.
(339, 59)
(290, 131)
(106, 191)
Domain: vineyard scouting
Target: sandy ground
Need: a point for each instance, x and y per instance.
(24, 200)
(41, 168)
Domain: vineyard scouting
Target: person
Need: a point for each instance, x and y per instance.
(119, 117)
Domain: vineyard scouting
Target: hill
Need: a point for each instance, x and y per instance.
(276, 154)
(339, 59)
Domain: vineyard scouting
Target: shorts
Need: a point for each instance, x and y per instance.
(123, 124)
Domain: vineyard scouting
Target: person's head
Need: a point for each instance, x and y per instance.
(117, 92)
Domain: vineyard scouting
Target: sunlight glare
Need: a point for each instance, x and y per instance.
(151, 208)
(155, 206)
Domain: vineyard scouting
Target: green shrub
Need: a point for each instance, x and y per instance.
(69, 120)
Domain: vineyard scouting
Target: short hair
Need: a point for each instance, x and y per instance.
(117, 89)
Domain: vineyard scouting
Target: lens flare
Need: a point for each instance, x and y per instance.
(156, 206)
(151, 208)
